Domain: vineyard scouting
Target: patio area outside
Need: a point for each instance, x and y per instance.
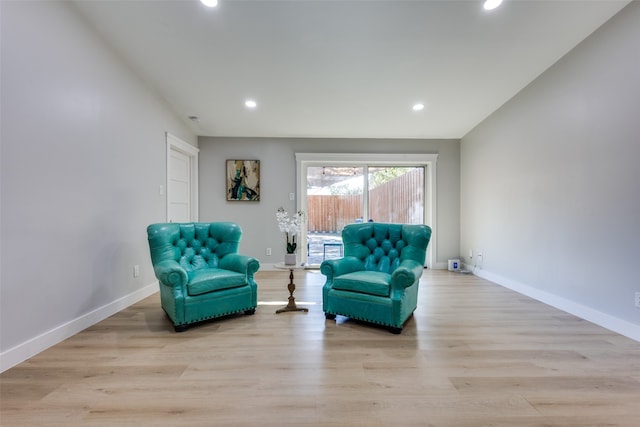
(321, 246)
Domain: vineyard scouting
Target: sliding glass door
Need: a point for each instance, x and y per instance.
(336, 189)
(337, 195)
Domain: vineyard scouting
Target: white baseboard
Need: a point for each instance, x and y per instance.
(599, 318)
(30, 348)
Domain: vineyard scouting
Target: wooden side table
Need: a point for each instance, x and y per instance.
(291, 306)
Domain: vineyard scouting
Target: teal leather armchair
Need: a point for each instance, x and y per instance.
(377, 279)
(200, 272)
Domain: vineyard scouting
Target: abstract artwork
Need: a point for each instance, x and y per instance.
(243, 180)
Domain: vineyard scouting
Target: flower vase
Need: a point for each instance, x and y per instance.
(290, 259)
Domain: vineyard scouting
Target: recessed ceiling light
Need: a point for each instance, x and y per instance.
(209, 3)
(250, 103)
(418, 107)
(491, 4)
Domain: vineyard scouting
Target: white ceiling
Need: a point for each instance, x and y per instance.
(342, 68)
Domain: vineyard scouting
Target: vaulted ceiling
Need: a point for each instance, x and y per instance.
(341, 68)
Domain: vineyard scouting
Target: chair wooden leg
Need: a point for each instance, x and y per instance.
(395, 330)
(250, 311)
(330, 316)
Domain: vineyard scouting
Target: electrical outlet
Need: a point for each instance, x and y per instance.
(268, 251)
(638, 299)
(471, 254)
(136, 270)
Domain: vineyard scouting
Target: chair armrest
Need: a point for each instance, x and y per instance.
(337, 267)
(170, 273)
(240, 263)
(407, 273)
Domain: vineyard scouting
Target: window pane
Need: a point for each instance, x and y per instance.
(396, 194)
(334, 198)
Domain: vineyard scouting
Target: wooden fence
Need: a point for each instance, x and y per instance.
(329, 214)
(400, 200)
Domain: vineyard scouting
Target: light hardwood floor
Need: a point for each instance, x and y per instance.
(473, 354)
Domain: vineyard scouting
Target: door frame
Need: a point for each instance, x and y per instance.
(176, 144)
(428, 161)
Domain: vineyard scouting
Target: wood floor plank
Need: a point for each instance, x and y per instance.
(473, 354)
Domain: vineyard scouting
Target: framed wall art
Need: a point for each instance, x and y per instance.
(243, 180)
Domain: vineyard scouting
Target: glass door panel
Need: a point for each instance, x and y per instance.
(396, 194)
(334, 199)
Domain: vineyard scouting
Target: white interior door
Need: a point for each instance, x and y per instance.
(182, 181)
(179, 190)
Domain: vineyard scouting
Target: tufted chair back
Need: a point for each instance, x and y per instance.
(194, 245)
(382, 247)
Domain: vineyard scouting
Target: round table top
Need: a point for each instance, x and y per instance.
(284, 266)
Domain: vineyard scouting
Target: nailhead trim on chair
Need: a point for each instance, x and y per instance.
(216, 316)
(364, 319)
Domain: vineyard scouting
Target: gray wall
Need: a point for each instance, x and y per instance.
(550, 183)
(278, 179)
(83, 155)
